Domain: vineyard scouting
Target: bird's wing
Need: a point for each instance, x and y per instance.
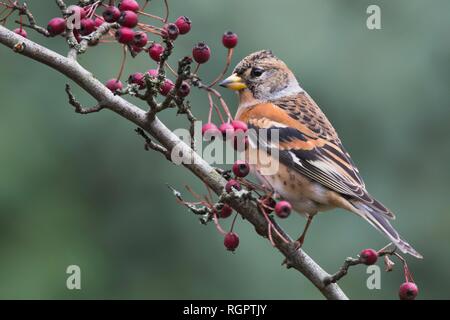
(308, 143)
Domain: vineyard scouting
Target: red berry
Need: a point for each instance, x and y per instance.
(239, 125)
(269, 204)
(21, 32)
(283, 209)
(128, 19)
(77, 11)
(125, 35)
(111, 14)
(210, 131)
(201, 52)
(184, 24)
(87, 26)
(155, 51)
(231, 241)
(184, 90)
(226, 211)
(408, 291)
(232, 184)
(153, 73)
(98, 22)
(226, 129)
(140, 39)
(56, 26)
(241, 168)
(368, 256)
(166, 87)
(230, 39)
(114, 85)
(131, 5)
(171, 31)
(137, 78)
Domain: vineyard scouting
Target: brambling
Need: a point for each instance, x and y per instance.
(315, 172)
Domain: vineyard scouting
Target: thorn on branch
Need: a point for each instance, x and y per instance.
(77, 105)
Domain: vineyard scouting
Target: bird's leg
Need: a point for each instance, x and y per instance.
(301, 239)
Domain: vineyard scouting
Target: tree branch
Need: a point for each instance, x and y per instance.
(297, 259)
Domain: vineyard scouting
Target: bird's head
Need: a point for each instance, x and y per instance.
(262, 76)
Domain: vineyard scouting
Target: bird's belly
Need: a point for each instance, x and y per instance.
(306, 196)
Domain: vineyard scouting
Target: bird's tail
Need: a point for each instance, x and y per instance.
(382, 224)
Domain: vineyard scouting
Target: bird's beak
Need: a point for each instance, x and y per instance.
(233, 82)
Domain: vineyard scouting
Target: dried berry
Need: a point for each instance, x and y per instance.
(231, 241)
(241, 168)
(230, 39)
(184, 24)
(408, 291)
(201, 52)
(283, 209)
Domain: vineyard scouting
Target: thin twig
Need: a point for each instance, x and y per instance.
(77, 105)
(353, 262)
(149, 144)
(23, 10)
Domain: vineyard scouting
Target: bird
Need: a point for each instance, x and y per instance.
(315, 173)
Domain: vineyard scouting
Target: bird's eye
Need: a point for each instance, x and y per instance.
(256, 72)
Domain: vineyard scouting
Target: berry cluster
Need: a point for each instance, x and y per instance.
(127, 23)
(241, 169)
(408, 290)
(267, 203)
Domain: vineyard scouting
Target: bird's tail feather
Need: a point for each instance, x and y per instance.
(382, 224)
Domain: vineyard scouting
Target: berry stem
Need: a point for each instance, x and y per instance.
(219, 113)
(92, 9)
(145, 5)
(196, 68)
(270, 225)
(172, 70)
(211, 105)
(166, 4)
(150, 28)
(141, 12)
(122, 65)
(408, 275)
(219, 97)
(225, 69)
(222, 102)
(217, 224)
(269, 231)
(233, 222)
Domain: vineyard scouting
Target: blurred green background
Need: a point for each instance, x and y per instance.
(81, 189)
